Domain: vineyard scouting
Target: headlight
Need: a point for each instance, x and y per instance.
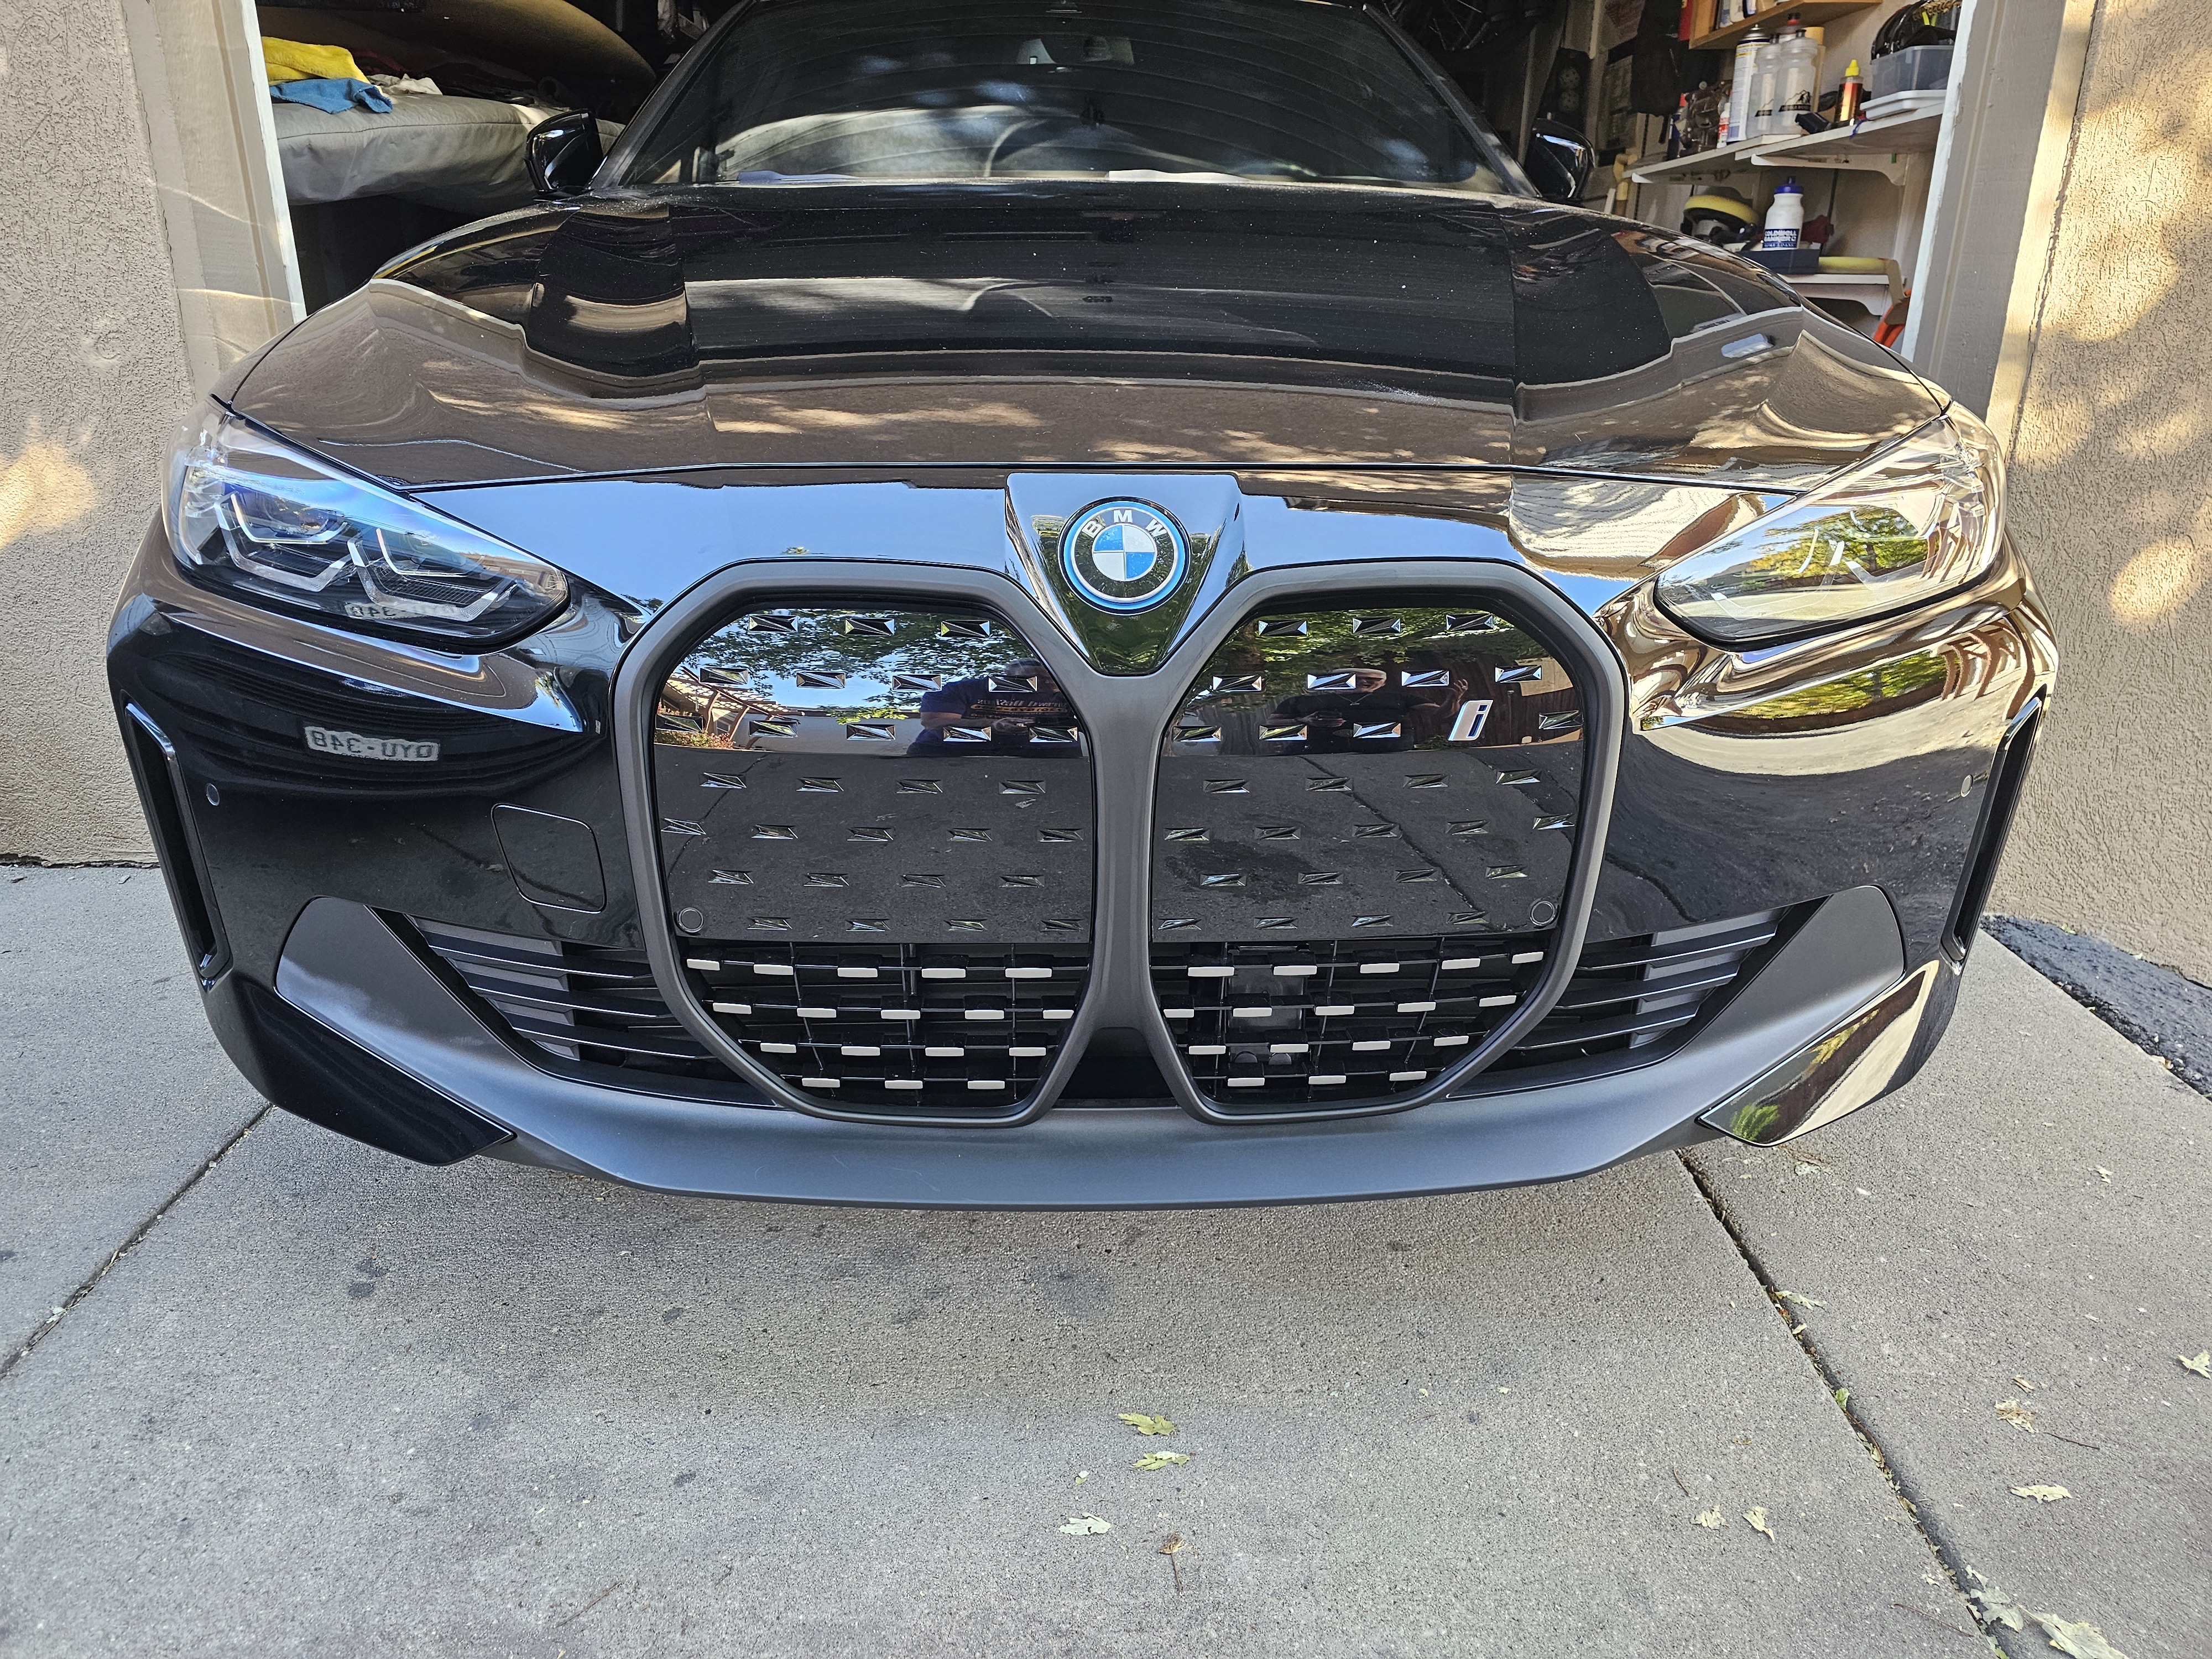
(268, 523)
(1921, 518)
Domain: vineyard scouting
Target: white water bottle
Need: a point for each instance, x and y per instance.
(1785, 216)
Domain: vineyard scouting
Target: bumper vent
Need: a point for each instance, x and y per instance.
(1636, 993)
(1314, 1026)
(575, 1003)
(960, 1032)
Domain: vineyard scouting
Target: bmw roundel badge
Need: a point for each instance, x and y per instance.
(1124, 556)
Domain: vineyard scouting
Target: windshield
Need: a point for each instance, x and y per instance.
(1287, 90)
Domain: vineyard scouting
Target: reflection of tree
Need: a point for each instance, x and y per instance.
(1836, 546)
(1882, 684)
(818, 643)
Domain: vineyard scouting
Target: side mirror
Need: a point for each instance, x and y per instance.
(563, 152)
(1558, 160)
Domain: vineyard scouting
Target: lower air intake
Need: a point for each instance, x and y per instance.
(928, 1030)
(596, 1007)
(1316, 1026)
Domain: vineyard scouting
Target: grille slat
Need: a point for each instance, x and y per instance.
(1598, 1019)
(934, 1029)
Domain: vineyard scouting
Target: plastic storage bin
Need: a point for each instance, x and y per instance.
(1914, 70)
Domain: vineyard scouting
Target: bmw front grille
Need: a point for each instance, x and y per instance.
(912, 852)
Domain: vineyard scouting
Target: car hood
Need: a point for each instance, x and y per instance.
(1065, 324)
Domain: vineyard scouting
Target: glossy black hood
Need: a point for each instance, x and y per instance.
(1076, 324)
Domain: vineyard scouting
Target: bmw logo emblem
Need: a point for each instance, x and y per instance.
(1124, 556)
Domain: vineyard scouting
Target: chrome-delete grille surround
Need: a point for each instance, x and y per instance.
(945, 1030)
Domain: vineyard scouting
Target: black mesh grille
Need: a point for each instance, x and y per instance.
(915, 1029)
(1313, 1025)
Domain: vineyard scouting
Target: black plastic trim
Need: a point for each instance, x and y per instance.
(301, 1064)
(162, 795)
(2008, 772)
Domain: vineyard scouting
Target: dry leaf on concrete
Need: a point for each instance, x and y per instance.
(1160, 1460)
(2016, 1414)
(1992, 1605)
(2042, 1494)
(1758, 1519)
(1801, 1301)
(2026, 1386)
(2202, 1364)
(1143, 1425)
(1082, 1526)
(2082, 1641)
(1713, 1520)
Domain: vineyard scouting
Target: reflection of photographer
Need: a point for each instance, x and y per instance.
(1395, 717)
(1010, 703)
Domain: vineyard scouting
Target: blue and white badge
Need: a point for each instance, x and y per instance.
(1124, 556)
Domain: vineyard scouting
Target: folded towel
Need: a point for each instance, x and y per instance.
(296, 60)
(333, 96)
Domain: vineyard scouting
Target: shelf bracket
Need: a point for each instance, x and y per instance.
(1896, 166)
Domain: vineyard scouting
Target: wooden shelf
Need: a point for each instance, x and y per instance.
(1813, 11)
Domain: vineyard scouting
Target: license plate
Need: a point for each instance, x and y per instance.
(354, 746)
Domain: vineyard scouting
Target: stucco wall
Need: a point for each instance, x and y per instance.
(92, 381)
(2111, 500)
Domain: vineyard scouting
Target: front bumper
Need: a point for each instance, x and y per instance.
(1870, 814)
(370, 992)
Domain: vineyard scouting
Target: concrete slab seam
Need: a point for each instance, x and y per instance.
(1953, 1570)
(53, 1320)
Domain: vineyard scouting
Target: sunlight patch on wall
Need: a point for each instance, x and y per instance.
(43, 489)
(2157, 582)
(2143, 236)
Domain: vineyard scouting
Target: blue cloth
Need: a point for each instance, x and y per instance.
(335, 96)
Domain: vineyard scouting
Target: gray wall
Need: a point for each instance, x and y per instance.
(92, 381)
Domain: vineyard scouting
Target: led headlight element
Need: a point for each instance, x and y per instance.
(272, 526)
(1923, 517)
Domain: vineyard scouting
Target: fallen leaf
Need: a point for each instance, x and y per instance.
(1143, 1425)
(1174, 1545)
(1758, 1519)
(2024, 1384)
(1993, 1607)
(1843, 1398)
(2082, 1641)
(1160, 1460)
(2016, 1414)
(1081, 1526)
(2202, 1364)
(2042, 1494)
(1713, 1520)
(1802, 1301)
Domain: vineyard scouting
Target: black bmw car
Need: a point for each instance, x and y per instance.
(1081, 603)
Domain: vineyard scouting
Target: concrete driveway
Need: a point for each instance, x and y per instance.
(325, 1402)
